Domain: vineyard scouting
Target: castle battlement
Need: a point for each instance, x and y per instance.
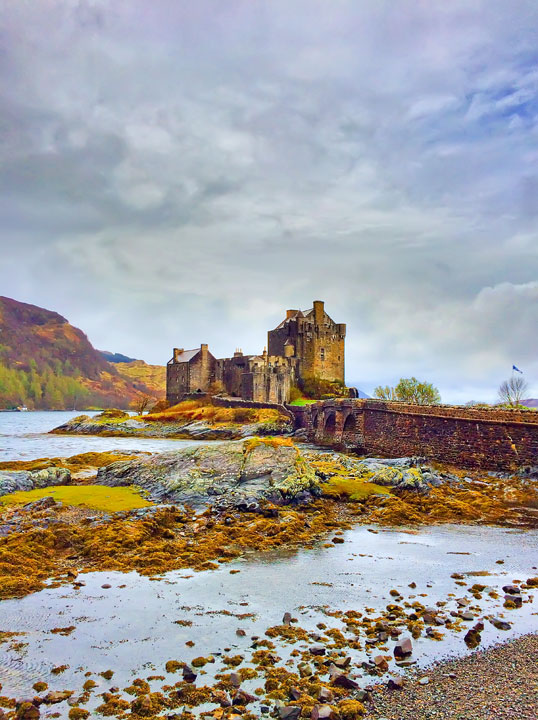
(305, 344)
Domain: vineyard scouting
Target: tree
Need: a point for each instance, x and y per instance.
(511, 392)
(140, 403)
(385, 392)
(410, 390)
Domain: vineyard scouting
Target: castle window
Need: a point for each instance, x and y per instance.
(323, 353)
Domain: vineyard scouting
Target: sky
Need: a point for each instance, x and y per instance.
(178, 172)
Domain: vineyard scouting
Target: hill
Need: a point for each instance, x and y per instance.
(530, 402)
(116, 357)
(46, 363)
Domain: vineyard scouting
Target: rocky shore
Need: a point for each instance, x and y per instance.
(116, 423)
(500, 682)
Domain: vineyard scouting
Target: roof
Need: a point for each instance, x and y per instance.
(186, 355)
(298, 314)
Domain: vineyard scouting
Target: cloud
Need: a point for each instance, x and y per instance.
(175, 173)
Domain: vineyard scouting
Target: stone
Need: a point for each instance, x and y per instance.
(188, 674)
(344, 681)
(242, 697)
(57, 696)
(499, 623)
(27, 711)
(517, 600)
(403, 648)
(286, 620)
(381, 663)
(317, 650)
(295, 693)
(467, 616)
(240, 632)
(235, 679)
(322, 712)
(325, 695)
(511, 589)
(424, 681)
(396, 683)
(289, 712)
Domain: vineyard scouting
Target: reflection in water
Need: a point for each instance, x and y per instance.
(132, 626)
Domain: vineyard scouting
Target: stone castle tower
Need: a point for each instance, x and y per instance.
(313, 340)
(305, 345)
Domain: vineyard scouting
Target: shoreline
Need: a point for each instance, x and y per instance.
(500, 681)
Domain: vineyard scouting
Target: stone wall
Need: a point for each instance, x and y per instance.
(468, 437)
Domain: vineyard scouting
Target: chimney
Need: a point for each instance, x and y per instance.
(177, 353)
(291, 313)
(318, 311)
(204, 349)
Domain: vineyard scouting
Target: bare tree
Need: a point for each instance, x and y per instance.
(140, 403)
(512, 391)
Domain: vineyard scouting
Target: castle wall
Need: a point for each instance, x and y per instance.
(465, 437)
(177, 382)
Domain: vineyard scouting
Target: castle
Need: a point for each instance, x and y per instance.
(304, 345)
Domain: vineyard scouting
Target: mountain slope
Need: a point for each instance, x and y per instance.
(47, 363)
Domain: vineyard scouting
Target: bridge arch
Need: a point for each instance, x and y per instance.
(329, 426)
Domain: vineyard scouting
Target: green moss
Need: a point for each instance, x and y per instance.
(352, 487)
(96, 497)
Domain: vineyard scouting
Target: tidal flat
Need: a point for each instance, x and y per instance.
(308, 610)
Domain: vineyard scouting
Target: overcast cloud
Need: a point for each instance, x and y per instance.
(177, 172)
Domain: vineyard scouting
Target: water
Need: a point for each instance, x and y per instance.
(130, 627)
(24, 436)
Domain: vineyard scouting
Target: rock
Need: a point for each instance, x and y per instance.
(322, 712)
(499, 623)
(242, 697)
(286, 620)
(27, 711)
(396, 683)
(289, 712)
(381, 663)
(235, 679)
(57, 696)
(41, 504)
(325, 695)
(344, 681)
(467, 616)
(13, 481)
(50, 476)
(240, 632)
(424, 681)
(472, 638)
(106, 586)
(514, 600)
(511, 589)
(223, 473)
(317, 650)
(188, 674)
(403, 649)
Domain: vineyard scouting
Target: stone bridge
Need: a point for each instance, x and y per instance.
(488, 438)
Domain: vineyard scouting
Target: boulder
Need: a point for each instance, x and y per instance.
(13, 481)
(50, 476)
(223, 473)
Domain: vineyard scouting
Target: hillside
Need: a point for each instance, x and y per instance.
(46, 363)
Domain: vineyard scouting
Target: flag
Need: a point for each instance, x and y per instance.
(517, 369)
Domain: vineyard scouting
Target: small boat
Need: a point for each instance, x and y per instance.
(21, 408)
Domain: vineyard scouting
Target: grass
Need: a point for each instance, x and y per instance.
(351, 487)
(95, 497)
(195, 410)
(301, 402)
